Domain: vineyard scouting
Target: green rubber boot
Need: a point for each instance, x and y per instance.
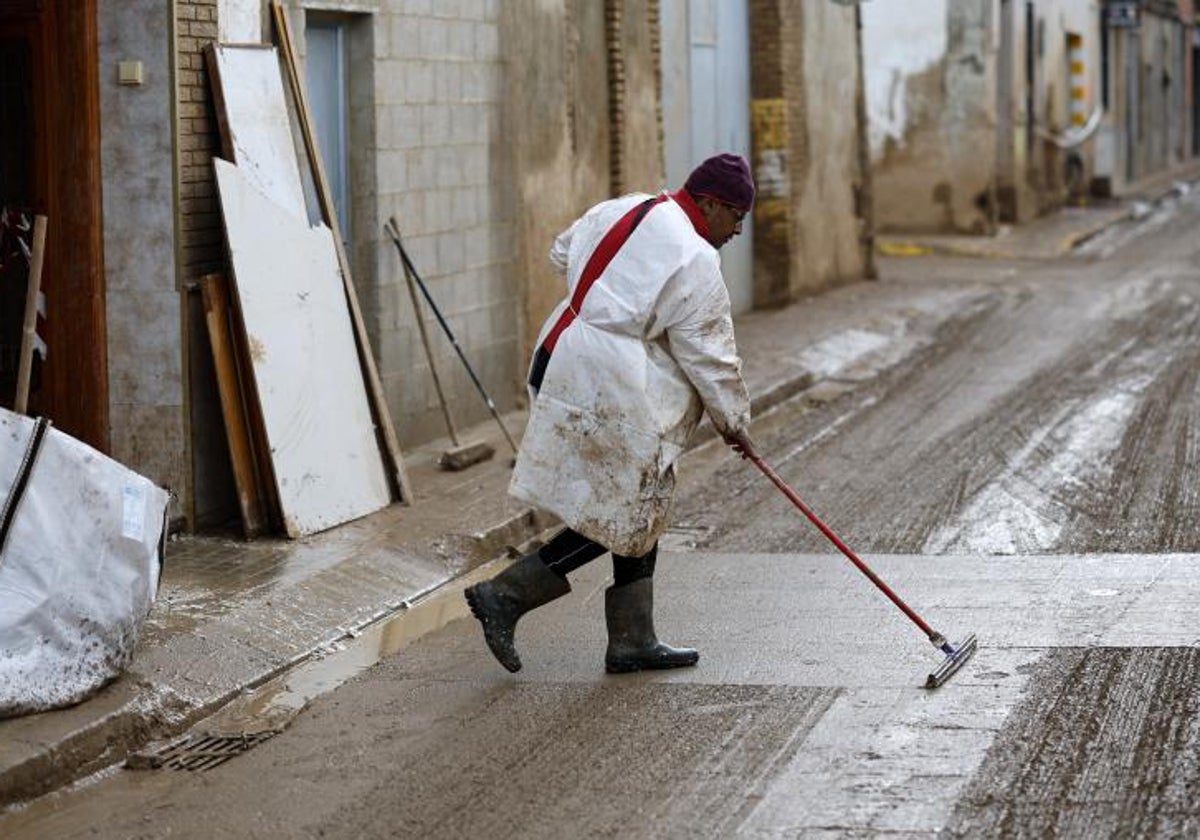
(632, 645)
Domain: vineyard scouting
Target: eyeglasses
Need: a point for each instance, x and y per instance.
(739, 214)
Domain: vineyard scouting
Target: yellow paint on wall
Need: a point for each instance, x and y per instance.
(769, 123)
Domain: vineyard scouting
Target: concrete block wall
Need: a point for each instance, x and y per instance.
(442, 169)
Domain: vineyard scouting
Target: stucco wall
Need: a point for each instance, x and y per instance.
(930, 82)
(145, 340)
(825, 158)
(557, 122)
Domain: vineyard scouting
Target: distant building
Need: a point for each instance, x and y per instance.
(983, 112)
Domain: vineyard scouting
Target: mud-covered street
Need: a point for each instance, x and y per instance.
(1033, 476)
(1061, 419)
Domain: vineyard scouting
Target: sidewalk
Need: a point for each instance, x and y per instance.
(232, 615)
(1050, 236)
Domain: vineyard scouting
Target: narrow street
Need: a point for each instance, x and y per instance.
(1033, 476)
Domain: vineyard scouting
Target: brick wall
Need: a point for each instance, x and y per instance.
(201, 233)
(770, 142)
(201, 250)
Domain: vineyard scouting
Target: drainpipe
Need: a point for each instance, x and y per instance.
(613, 16)
(864, 191)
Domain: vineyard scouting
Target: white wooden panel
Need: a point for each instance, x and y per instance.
(256, 116)
(328, 467)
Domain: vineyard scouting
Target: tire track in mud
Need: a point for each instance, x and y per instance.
(1058, 491)
(733, 498)
(1157, 508)
(1030, 465)
(1107, 744)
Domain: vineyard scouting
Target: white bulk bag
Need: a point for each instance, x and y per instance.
(81, 548)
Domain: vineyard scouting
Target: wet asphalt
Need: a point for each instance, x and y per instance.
(1032, 476)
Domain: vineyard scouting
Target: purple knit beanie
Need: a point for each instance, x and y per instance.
(725, 177)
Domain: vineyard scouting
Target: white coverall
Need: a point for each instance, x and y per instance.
(650, 350)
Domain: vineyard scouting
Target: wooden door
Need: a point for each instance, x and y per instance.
(62, 168)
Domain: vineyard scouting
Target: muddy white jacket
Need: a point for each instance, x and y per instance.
(624, 369)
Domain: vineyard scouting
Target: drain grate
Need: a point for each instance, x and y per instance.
(199, 752)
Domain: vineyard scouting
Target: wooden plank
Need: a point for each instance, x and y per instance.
(252, 117)
(29, 326)
(398, 475)
(218, 314)
(328, 466)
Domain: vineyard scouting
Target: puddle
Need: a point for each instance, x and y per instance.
(274, 704)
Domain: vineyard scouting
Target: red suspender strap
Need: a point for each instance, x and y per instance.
(616, 237)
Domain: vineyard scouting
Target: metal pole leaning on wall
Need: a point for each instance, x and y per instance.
(29, 327)
(393, 230)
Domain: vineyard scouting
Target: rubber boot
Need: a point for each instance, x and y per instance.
(632, 645)
(499, 602)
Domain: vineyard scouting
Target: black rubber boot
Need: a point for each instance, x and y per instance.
(632, 645)
(499, 602)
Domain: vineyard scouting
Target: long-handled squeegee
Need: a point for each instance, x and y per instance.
(956, 657)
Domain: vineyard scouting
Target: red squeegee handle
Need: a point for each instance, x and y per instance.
(933, 635)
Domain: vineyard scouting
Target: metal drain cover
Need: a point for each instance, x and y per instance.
(198, 752)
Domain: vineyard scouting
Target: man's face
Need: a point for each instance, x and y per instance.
(724, 220)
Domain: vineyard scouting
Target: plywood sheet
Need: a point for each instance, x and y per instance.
(328, 467)
(256, 130)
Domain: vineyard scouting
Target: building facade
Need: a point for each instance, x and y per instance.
(1148, 88)
(987, 112)
(484, 127)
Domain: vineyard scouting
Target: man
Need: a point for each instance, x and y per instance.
(623, 371)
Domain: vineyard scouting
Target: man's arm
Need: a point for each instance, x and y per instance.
(561, 249)
(695, 309)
